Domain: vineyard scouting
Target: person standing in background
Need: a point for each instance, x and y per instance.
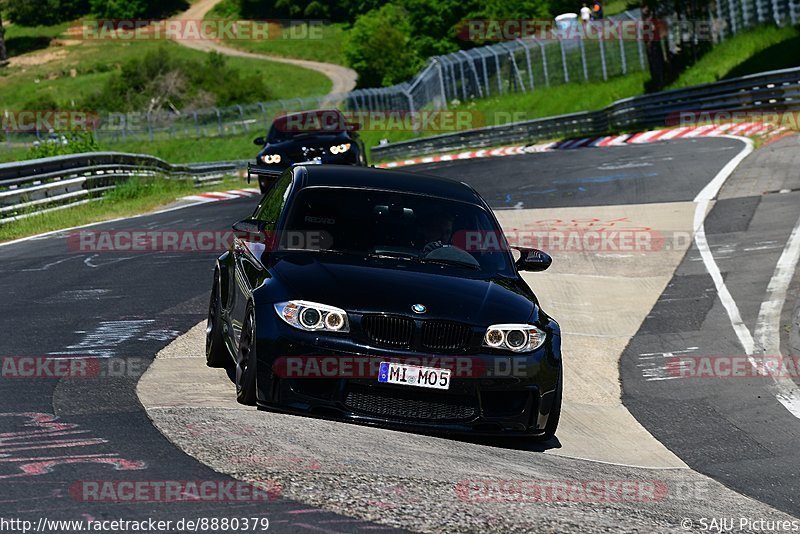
(597, 10)
(586, 14)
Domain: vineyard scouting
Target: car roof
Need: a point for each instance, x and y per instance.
(386, 180)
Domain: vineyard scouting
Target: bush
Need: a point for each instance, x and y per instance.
(161, 80)
(64, 143)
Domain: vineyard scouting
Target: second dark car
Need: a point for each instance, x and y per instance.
(310, 137)
(385, 298)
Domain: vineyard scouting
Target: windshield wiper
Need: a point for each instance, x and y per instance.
(391, 256)
(457, 263)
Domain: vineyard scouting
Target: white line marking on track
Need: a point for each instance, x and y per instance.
(702, 200)
(767, 331)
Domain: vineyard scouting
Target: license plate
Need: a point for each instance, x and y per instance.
(412, 375)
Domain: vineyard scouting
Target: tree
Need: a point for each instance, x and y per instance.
(3, 53)
(380, 48)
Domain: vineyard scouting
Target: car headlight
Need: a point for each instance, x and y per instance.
(514, 337)
(311, 316)
(271, 158)
(340, 149)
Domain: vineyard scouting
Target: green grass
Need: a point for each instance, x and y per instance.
(316, 42)
(131, 198)
(78, 67)
(758, 50)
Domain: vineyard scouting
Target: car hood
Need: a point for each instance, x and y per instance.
(388, 287)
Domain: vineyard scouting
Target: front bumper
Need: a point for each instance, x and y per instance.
(489, 394)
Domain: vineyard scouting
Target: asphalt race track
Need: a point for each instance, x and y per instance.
(127, 306)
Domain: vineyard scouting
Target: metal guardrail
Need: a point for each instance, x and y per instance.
(47, 184)
(772, 91)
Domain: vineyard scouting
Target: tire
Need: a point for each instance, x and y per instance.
(216, 354)
(555, 413)
(246, 361)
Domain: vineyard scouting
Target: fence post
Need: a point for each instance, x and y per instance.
(452, 76)
(732, 17)
(564, 60)
(219, 122)
(471, 65)
(745, 16)
(441, 82)
(497, 64)
(463, 81)
(514, 65)
(622, 56)
(583, 59)
(241, 115)
(485, 74)
(719, 18)
(776, 12)
(792, 12)
(527, 61)
(544, 63)
(603, 58)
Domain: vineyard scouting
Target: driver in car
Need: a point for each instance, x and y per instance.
(437, 230)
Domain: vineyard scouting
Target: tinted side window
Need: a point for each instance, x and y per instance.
(271, 205)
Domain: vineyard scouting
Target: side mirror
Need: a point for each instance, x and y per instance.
(251, 229)
(533, 259)
(260, 141)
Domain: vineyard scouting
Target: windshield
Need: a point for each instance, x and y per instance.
(303, 124)
(393, 225)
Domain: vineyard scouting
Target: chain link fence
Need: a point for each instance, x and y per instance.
(521, 65)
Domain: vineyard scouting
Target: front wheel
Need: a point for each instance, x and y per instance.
(246, 361)
(216, 353)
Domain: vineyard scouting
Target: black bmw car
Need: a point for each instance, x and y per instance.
(375, 296)
(311, 137)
